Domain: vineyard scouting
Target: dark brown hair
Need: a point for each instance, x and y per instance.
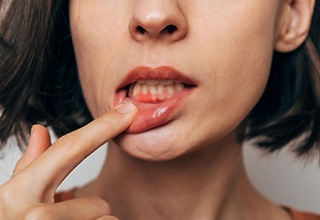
(39, 81)
(290, 106)
(38, 75)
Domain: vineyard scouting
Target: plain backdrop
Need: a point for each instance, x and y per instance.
(281, 177)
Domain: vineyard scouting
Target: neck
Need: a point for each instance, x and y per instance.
(208, 184)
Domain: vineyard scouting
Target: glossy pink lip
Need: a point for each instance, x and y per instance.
(151, 115)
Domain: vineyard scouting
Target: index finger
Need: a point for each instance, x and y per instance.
(68, 151)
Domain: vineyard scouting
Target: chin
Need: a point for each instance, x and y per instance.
(159, 144)
(171, 142)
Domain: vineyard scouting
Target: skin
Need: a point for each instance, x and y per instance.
(39, 157)
(228, 54)
(226, 34)
(148, 175)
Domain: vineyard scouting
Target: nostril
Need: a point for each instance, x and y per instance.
(141, 30)
(170, 28)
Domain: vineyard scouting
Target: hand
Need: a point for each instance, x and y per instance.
(29, 194)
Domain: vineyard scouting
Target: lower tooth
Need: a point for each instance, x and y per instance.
(145, 89)
(153, 90)
(179, 87)
(159, 92)
(170, 89)
(136, 89)
(160, 88)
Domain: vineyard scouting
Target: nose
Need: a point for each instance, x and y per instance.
(158, 20)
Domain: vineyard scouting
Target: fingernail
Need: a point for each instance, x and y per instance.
(125, 108)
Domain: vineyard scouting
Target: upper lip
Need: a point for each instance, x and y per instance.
(158, 73)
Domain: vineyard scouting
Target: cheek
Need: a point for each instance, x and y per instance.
(94, 46)
(241, 50)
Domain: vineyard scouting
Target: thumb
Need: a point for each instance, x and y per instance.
(38, 143)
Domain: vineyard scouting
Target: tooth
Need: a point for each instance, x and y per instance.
(152, 82)
(136, 89)
(179, 87)
(160, 88)
(144, 88)
(157, 89)
(153, 89)
(170, 89)
(166, 82)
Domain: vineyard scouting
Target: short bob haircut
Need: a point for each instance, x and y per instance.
(39, 81)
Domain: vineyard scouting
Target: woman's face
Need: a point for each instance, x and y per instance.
(195, 69)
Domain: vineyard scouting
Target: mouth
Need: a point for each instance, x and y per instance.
(157, 92)
(154, 91)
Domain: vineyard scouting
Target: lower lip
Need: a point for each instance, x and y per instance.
(152, 115)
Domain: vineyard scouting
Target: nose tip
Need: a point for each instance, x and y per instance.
(158, 23)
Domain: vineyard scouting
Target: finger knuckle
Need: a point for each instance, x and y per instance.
(8, 194)
(37, 213)
(103, 204)
(67, 139)
(67, 142)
